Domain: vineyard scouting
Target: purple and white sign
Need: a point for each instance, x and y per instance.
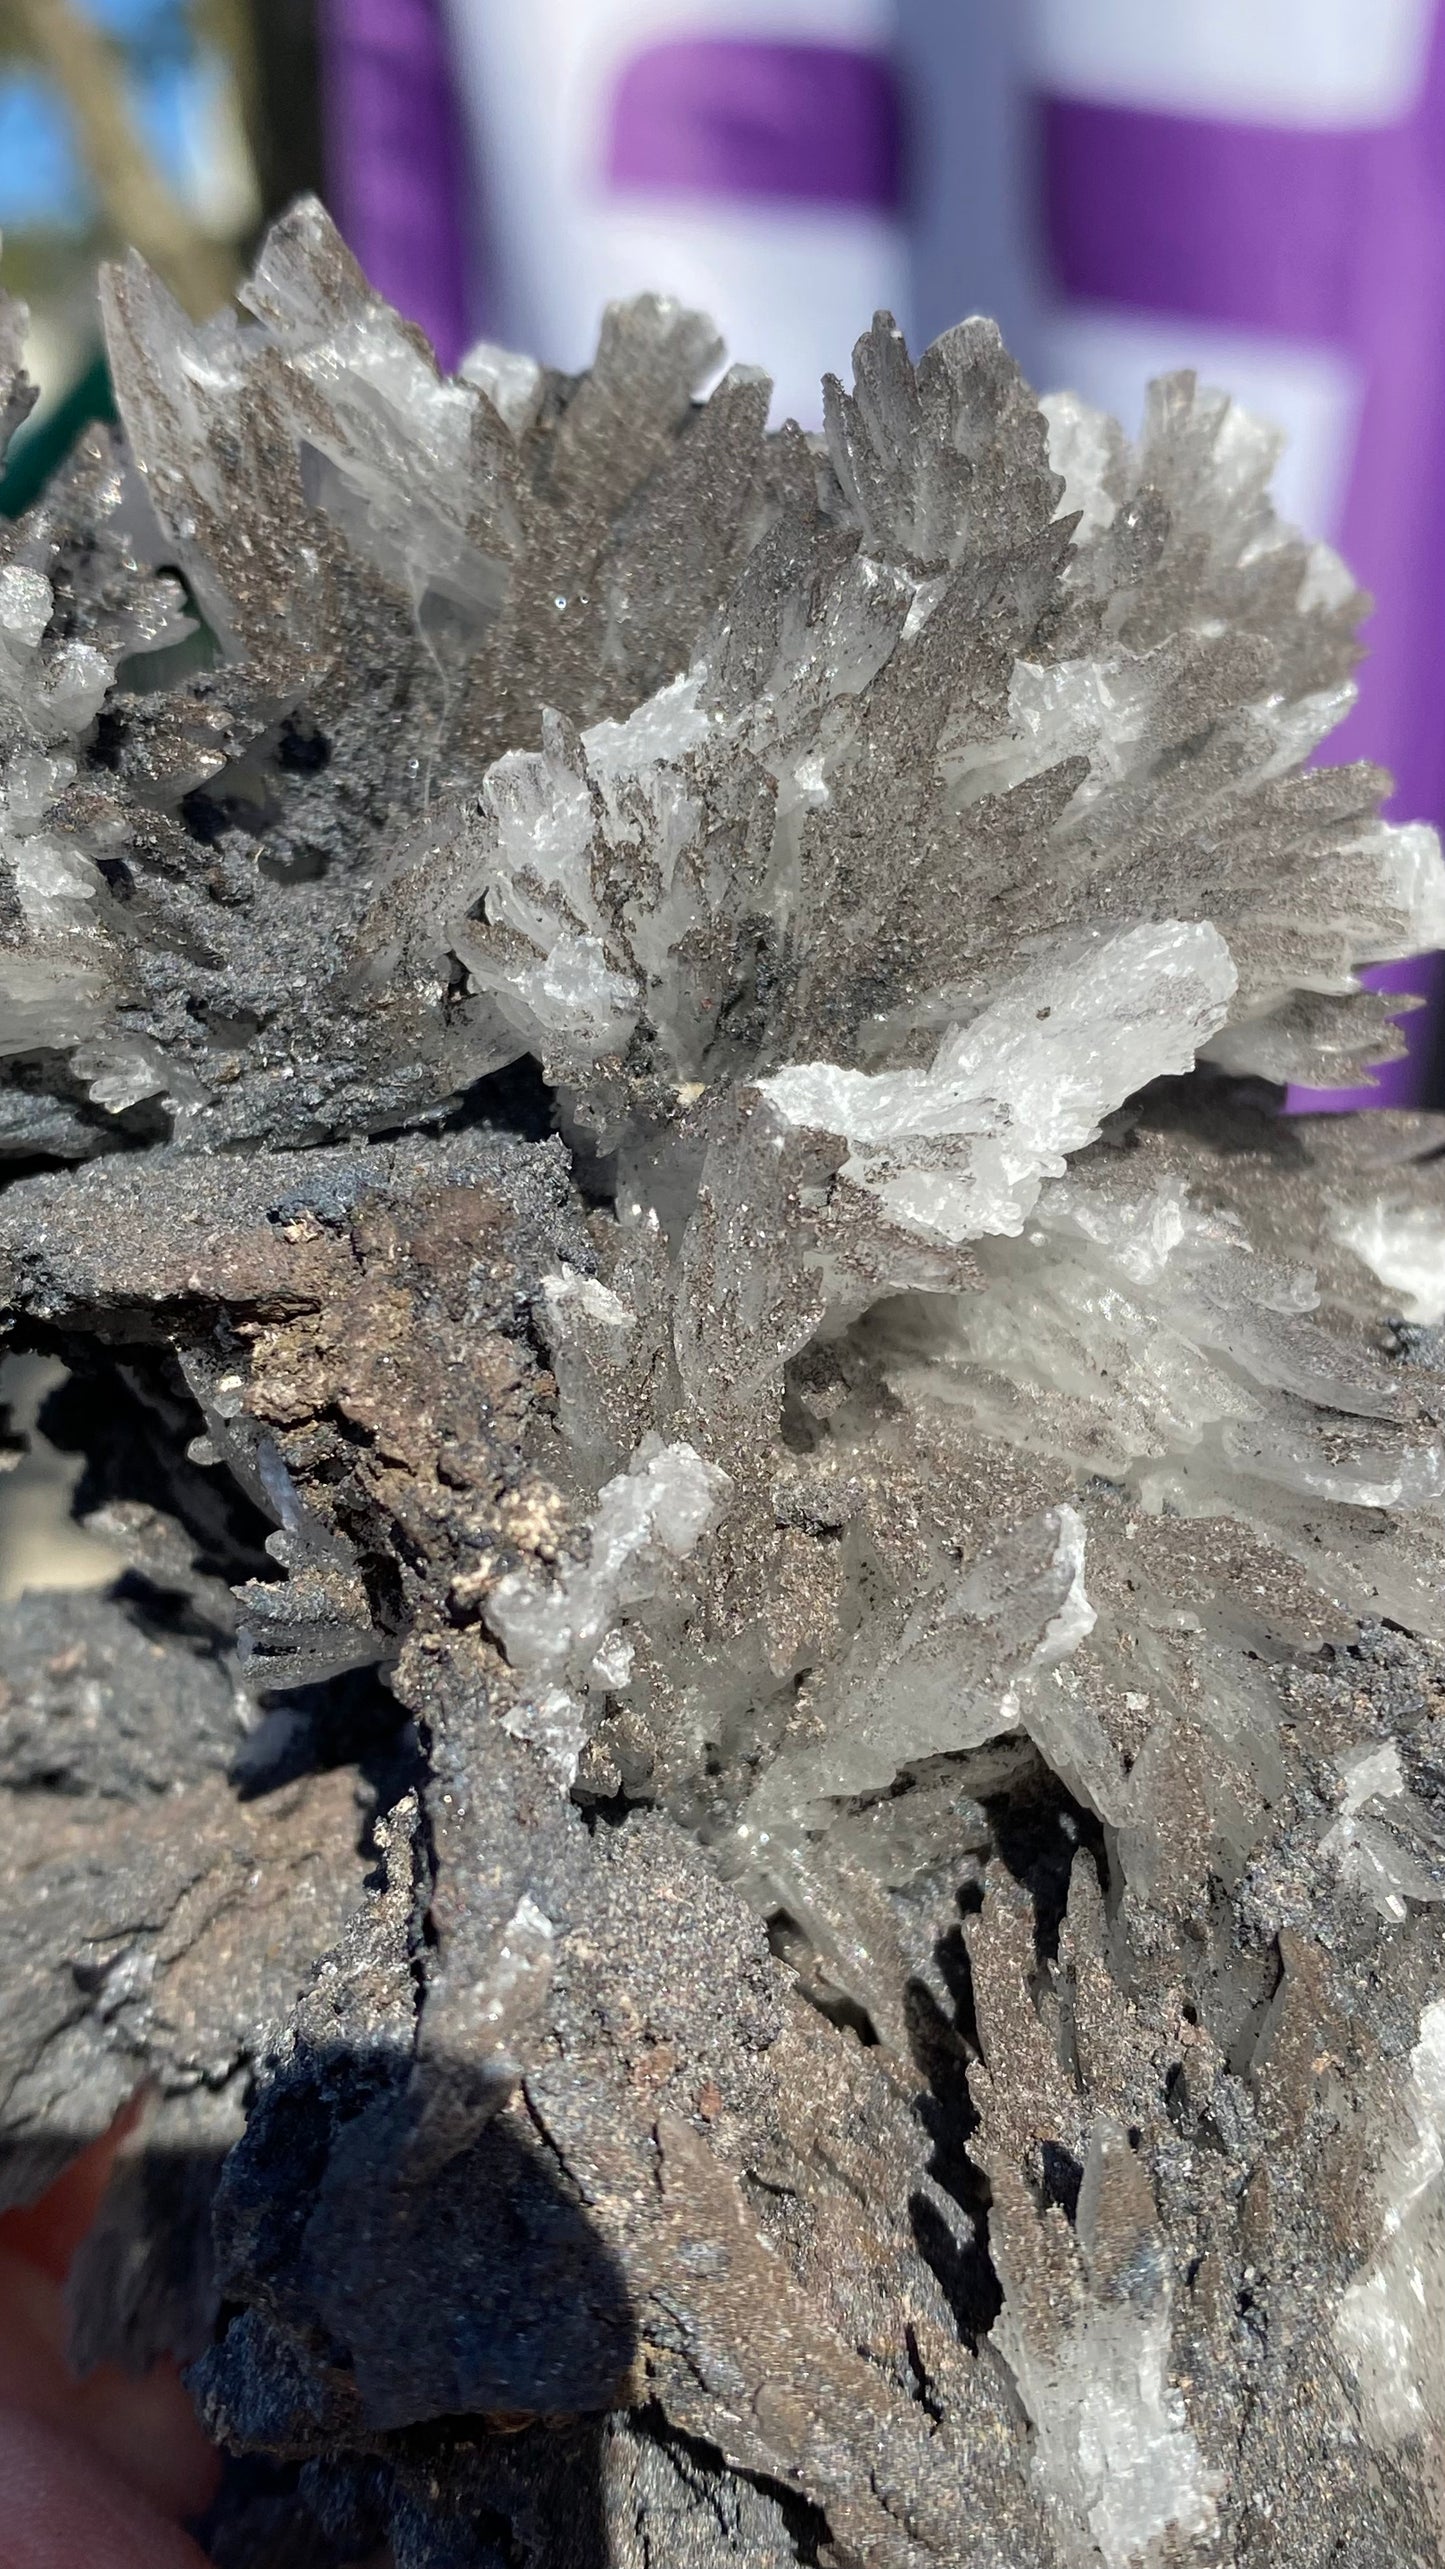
(745, 155)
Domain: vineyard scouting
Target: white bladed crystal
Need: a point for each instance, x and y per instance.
(962, 1148)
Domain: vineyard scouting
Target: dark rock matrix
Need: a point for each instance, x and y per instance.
(763, 1809)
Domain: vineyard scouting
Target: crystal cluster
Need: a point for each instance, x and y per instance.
(765, 1806)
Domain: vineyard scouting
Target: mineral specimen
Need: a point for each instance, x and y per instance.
(765, 1808)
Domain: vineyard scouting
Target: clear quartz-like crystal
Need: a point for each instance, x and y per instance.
(680, 1033)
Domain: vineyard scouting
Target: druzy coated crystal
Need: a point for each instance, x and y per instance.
(764, 1808)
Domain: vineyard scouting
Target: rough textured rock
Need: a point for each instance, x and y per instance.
(762, 1810)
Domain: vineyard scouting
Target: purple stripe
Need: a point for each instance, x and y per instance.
(396, 164)
(1230, 223)
(736, 117)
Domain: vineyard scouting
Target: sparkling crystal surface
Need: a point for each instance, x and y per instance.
(765, 1805)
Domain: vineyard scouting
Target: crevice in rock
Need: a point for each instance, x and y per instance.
(807, 2525)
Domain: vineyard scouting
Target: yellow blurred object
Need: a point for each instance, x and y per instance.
(40, 1544)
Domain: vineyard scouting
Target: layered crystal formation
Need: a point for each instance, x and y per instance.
(773, 1727)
